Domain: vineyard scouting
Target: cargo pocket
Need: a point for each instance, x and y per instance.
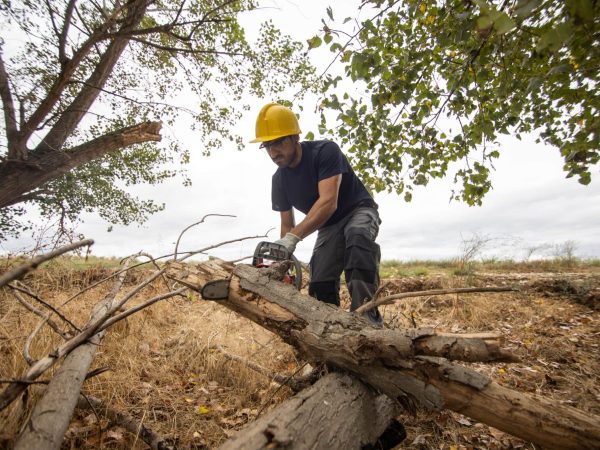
(362, 258)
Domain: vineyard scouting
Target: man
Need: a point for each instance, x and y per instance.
(316, 178)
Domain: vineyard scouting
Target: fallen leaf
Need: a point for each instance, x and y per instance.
(420, 440)
(115, 435)
(202, 410)
(464, 421)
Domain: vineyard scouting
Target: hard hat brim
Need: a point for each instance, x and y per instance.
(269, 138)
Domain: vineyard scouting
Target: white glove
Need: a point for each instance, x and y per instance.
(289, 241)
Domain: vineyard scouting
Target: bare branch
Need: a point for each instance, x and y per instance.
(193, 225)
(137, 102)
(131, 424)
(188, 254)
(82, 102)
(51, 13)
(30, 361)
(185, 50)
(26, 291)
(295, 384)
(20, 271)
(15, 152)
(62, 41)
(139, 307)
(390, 299)
(37, 312)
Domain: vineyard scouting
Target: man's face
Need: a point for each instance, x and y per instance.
(282, 151)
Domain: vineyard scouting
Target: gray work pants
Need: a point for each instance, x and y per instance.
(348, 246)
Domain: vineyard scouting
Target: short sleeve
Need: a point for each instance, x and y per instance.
(279, 200)
(331, 161)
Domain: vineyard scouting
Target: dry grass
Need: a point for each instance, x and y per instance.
(165, 373)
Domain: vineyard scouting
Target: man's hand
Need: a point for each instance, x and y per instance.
(289, 241)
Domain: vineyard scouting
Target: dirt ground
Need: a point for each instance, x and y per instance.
(167, 371)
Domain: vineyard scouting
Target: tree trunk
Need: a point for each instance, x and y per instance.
(338, 411)
(52, 413)
(404, 364)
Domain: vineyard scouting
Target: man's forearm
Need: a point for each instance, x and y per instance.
(320, 213)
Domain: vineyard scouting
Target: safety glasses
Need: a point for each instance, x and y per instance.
(274, 143)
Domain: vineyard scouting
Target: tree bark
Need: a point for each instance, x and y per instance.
(404, 364)
(52, 414)
(16, 180)
(338, 411)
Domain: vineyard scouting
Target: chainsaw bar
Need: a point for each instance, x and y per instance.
(215, 290)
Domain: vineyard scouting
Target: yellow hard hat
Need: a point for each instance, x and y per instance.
(275, 121)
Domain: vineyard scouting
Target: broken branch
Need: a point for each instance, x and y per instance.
(391, 298)
(20, 271)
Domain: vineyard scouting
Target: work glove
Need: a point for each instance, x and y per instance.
(289, 241)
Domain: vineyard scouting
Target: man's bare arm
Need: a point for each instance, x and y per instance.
(322, 210)
(288, 221)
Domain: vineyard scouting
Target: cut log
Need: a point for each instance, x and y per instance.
(338, 411)
(52, 413)
(404, 364)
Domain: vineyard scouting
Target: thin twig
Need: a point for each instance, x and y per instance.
(188, 253)
(20, 271)
(139, 307)
(193, 225)
(153, 439)
(37, 312)
(26, 354)
(278, 388)
(24, 290)
(390, 299)
(294, 384)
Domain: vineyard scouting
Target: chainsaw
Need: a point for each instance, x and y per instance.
(277, 252)
(219, 289)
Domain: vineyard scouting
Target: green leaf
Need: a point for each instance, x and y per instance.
(582, 9)
(327, 38)
(524, 8)
(555, 38)
(484, 22)
(314, 42)
(330, 12)
(504, 24)
(534, 84)
(310, 136)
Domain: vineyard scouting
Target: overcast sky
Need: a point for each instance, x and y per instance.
(532, 203)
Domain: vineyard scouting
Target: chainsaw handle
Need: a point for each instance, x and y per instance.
(276, 252)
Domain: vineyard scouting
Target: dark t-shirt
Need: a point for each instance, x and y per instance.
(298, 187)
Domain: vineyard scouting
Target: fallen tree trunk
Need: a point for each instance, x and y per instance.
(52, 413)
(404, 364)
(338, 411)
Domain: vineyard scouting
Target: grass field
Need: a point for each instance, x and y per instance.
(165, 370)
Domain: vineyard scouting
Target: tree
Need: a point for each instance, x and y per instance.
(438, 82)
(85, 93)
